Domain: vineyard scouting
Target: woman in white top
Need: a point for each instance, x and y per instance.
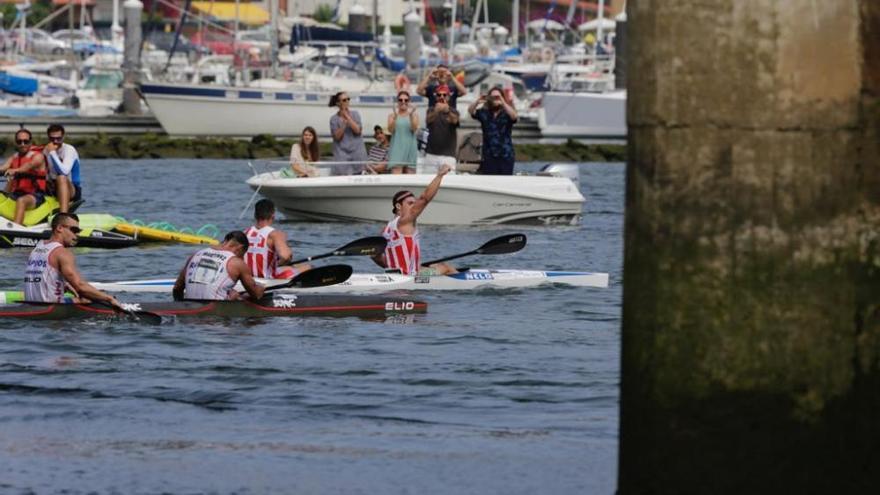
(305, 151)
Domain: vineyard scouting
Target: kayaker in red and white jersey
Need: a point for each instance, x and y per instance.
(26, 170)
(51, 268)
(211, 273)
(403, 251)
(267, 246)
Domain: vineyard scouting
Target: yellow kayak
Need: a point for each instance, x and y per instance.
(31, 217)
(152, 234)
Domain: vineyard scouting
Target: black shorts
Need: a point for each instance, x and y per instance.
(40, 197)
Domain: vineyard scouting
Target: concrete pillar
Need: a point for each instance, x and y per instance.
(751, 318)
(131, 65)
(412, 39)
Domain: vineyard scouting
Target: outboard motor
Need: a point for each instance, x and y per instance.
(568, 170)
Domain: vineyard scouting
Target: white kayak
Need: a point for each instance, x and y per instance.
(382, 282)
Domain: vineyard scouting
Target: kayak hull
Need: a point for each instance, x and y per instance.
(365, 283)
(277, 305)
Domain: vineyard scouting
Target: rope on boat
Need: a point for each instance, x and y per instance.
(207, 230)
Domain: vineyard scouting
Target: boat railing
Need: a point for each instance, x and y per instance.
(278, 169)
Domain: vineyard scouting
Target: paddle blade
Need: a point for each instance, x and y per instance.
(368, 246)
(317, 277)
(510, 243)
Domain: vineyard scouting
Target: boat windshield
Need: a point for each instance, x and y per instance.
(104, 80)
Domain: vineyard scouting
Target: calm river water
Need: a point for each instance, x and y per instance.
(504, 392)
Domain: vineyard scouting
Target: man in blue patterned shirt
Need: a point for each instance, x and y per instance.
(497, 117)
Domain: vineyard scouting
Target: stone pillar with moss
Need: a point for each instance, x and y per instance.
(751, 320)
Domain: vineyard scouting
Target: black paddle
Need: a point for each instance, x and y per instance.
(147, 317)
(505, 244)
(317, 277)
(368, 246)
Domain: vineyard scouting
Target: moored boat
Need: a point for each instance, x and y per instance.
(364, 283)
(275, 305)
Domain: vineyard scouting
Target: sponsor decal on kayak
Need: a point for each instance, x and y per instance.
(284, 302)
(422, 279)
(400, 306)
(131, 306)
(478, 276)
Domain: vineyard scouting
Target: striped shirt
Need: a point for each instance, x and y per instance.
(402, 251)
(378, 153)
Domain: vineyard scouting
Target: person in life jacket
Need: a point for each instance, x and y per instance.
(51, 268)
(26, 174)
(267, 246)
(403, 251)
(211, 273)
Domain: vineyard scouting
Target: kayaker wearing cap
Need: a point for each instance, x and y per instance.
(51, 268)
(211, 274)
(267, 246)
(403, 251)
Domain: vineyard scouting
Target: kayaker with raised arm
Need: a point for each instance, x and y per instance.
(267, 246)
(211, 274)
(51, 268)
(403, 251)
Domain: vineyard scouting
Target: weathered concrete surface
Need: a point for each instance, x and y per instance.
(751, 327)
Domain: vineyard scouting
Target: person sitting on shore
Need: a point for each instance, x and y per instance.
(26, 174)
(63, 168)
(304, 152)
(403, 251)
(378, 156)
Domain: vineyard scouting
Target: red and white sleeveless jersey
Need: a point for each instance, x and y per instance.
(262, 261)
(402, 251)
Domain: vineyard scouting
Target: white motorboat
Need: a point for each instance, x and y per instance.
(549, 198)
(473, 279)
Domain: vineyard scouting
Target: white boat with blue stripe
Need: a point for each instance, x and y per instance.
(371, 283)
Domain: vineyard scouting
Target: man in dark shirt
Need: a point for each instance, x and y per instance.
(496, 117)
(442, 122)
(441, 76)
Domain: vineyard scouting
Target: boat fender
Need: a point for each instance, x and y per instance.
(401, 82)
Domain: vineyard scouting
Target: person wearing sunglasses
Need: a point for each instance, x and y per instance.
(63, 164)
(348, 142)
(440, 76)
(379, 152)
(497, 117)
(26, 174)
(442, 123)
(402, 124)
(51, 268)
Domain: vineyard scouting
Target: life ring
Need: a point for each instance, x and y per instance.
(547, 55)
(401, 82)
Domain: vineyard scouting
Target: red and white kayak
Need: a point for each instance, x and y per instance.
(473, 279)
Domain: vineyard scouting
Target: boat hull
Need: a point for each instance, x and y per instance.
(277, 305)
(366, 283)
(583, 115)
(11, 238)
(463, 199)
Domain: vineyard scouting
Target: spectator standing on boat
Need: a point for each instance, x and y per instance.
(63, 162)
(304, 152)
(348, 143)
(497, 117)
(267, 246)
(378, 156)
(402, 124)
(211, 273)
(26, 175)
(51, 268)
(441, 75)
(442, 122)
(403, 251)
